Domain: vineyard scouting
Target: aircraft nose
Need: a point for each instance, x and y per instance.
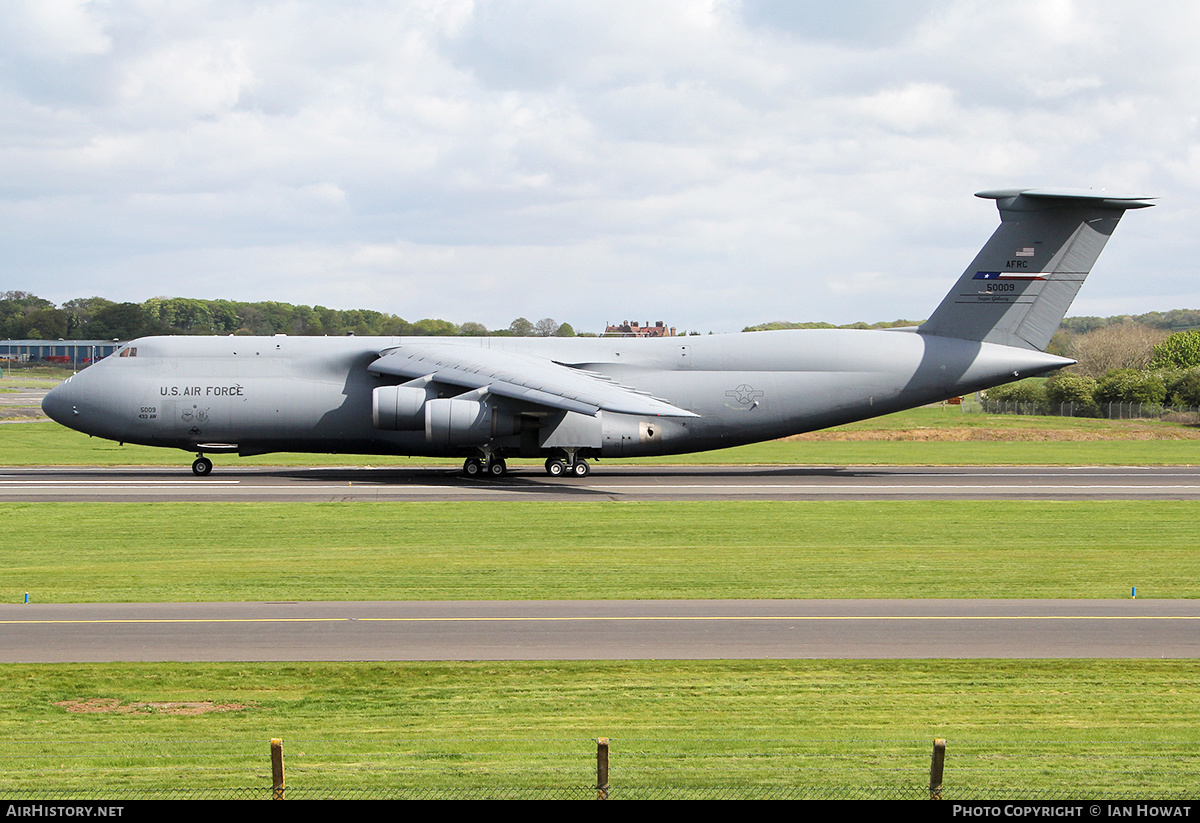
(59, 403)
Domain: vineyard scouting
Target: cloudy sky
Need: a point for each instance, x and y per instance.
(709, 163)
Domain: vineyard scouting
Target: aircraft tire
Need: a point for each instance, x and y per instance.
(497, 468)
(581, 468)
(555, 467)
(472, 467)
(202, 467)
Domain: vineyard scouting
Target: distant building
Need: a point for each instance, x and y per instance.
(627, 329)
(62, 352)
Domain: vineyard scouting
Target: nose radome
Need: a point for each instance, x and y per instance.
(59, 405)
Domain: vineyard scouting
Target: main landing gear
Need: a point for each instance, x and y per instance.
(202, 466)
(556, 467)
(496, 467)
(492, 467)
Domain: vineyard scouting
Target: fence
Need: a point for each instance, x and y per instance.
(1111, 411)
(979, 771)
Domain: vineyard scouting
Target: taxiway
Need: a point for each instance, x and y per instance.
(617, 482)
(601, 630)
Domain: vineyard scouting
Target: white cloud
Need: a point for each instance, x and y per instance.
(711, 164)
(55, 30)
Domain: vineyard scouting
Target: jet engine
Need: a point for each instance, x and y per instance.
(454, 422)
(399, 408)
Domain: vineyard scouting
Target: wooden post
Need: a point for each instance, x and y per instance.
(935, 769)
(602, 768)
(276, 769)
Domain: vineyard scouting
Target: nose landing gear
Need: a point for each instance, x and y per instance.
(202, 466)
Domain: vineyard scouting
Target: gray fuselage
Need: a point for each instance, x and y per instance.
(254, 395)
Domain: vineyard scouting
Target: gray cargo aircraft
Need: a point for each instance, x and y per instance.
(570, 399)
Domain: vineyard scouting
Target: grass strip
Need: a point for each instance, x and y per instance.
(926, 436)
(839, 728)
(118, 552)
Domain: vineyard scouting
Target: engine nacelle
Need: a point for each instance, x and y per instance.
(399, 408)
(453, 422)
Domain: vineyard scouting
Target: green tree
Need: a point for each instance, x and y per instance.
(521, 328)
(16, 305)
(187, 315)
(49, 324)
(1130, 386)
(435, 328)
(123, 321)
(1023, 391)
(1183, 386)
(1076, 389)
(1181, 351)
(80, 311)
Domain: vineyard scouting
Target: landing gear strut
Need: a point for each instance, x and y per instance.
(202, 467)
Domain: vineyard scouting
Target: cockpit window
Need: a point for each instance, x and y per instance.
(128, 352)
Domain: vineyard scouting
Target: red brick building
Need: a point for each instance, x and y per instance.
(627, 329)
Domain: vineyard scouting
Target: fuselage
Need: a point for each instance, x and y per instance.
(254, 395)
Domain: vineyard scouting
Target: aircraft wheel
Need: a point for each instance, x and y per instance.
(202, 467)
(472, 467)
(581, 468)
(555, 467)
(497, 468)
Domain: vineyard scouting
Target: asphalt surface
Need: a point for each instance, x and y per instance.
(601, 630)
(581, 630)
(21, 404)
(571, 630)
(607, 482)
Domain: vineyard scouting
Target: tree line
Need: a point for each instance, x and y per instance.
(1151, 358)
(26, 316)
(1123, 363)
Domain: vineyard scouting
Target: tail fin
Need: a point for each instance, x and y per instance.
(1022, 282)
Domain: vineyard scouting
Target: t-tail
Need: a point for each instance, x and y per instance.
(1020, 285)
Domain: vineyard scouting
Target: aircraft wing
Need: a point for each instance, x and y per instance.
(521, 377)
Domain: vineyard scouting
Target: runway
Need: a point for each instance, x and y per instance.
(573, 630)
(601, 630)
(607, 482)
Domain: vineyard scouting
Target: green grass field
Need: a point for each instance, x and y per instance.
(120, 552)
(840, 729)
(927, 436)
(703, 728)
(1015, 729)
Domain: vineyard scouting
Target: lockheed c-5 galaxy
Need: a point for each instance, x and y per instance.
(570, 399)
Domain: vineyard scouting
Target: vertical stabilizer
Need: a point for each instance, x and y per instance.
(1020, 285)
